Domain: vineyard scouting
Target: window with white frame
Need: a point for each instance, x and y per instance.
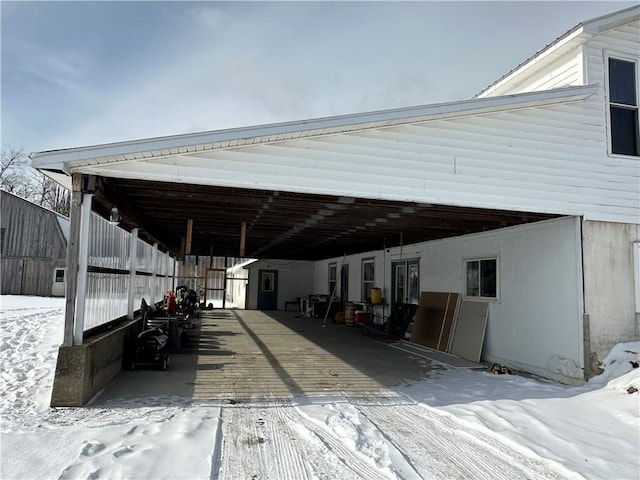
(58, 276)
(481, 278)
(333, 275)
(368, 278)
(623, 106)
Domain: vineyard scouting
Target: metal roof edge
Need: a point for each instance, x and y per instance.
(56, 159)
(581, 32)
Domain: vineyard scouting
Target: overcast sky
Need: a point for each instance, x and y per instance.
(84, 73)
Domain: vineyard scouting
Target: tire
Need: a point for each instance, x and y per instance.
(164, 364)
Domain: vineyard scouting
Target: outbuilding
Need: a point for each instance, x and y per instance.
(34, 248)
(526, 197)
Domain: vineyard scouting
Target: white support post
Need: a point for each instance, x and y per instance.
(133, 250)
(154, 279)
(83, 265)
(636, 274)
(173, 275)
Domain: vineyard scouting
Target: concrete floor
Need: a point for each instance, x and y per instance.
(248, 354)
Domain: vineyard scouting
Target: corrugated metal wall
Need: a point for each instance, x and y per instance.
(32, 247)
(209, 276)
(108, 279)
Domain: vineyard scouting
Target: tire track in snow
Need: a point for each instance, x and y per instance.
(267, 441)
(257, 443)
(349, 458)
(441, 448)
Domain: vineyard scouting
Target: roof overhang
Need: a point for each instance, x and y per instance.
(67, 161)
(143, 178)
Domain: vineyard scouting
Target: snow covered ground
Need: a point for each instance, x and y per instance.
(455, 424)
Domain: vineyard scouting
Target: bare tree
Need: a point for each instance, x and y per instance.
(18, 177)
(12, 159)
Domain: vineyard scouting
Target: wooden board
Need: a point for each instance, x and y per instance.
(468, 337)
(433, 319)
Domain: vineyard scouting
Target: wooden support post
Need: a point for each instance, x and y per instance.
(189, 236)
(133, 250)
(72, 259)
(83, 265)
(243, 237)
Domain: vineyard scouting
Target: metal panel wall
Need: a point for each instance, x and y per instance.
(107, 292)
(106, 298)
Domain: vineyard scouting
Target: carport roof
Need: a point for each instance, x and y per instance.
(288, 225)
(280, 222)
(74, 159)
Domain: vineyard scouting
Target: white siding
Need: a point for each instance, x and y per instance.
(321, 272)
(546, 159)
(561, 72)
(295, 279)
(537, 324)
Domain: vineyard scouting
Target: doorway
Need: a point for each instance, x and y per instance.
(344, 286)
(267, 290)
(405, 282)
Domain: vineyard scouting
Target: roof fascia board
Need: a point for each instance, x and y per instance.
(612, 20)
(572, 38)
(568, 41)
(157, 147)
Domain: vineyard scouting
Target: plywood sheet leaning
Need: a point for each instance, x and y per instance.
(433, 319)
(468, 336)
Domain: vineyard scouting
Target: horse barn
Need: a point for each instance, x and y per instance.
(522, 203)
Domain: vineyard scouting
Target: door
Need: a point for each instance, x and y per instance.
(405, 282)
(344, 286)
(267, 289)
(214, 287)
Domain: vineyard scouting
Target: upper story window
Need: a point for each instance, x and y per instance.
(623, 107)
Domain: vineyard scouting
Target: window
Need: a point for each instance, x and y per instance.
(368, 278)
(481, 280)
(2, 232)
(623, 107)
(268, 282)
(59, 275)
(405, 281)
(333, 269)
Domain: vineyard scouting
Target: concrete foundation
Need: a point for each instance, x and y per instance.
(83, 370)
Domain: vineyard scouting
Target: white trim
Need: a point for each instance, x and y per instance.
(55, 272)
(636, 273)
(606, 55)
(363, 292)
(133, 242)
(154, 279)
(479, 298)
(83, 265)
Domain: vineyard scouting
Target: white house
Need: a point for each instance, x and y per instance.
(527, 196)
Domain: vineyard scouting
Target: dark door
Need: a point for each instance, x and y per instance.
(344, 286)
(267, 289)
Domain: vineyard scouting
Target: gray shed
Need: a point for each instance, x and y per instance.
(33, 243)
